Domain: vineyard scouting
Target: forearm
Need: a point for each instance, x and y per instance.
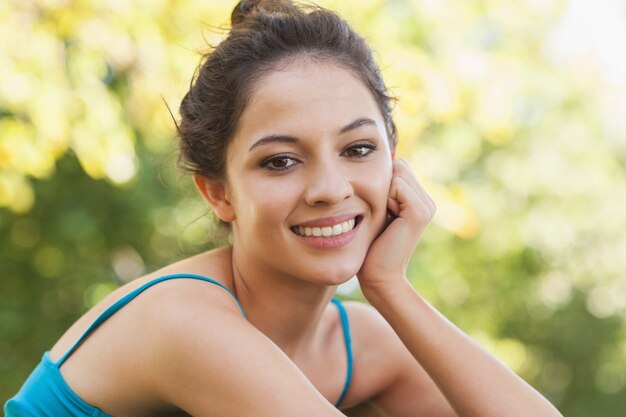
(473, 381)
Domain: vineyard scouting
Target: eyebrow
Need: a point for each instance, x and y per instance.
(273, 139)
(362, 121)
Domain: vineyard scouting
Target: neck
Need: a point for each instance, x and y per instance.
(286, 309)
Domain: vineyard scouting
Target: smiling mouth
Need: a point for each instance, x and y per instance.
(326, 231)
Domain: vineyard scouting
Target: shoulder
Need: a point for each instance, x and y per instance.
(183, 311)
(171, 295)
(143, 301)
(396, 381)
(378, 352)
(199, 285)
(180, 308)
(211, 361)
(369, 328)
(191, 333)
(181, 303)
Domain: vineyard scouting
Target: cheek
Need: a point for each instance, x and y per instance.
(261, 204)
(375, 189)
(381, 182)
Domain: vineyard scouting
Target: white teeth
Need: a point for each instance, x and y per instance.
(326, 231)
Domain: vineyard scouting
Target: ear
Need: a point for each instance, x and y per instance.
(214, 193)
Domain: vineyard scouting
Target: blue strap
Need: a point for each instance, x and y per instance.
(346, 336)
(128, 297)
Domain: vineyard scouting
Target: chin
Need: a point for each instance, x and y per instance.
(332, 276)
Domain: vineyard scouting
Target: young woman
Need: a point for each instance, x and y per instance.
(288, 131)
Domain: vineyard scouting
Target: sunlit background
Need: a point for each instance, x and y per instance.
(512, 114)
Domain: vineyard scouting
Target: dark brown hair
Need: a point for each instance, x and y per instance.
(265, 34)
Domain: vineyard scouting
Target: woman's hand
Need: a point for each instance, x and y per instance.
(410, 211)
(451, 359)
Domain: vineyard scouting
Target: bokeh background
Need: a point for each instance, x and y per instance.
(511, 112)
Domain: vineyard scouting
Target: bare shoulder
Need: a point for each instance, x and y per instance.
(191, 294)
(199, 285)
(396, 383)
(373, 335)
(370, 331)
(375, 348)
(211, 361)
(362, 314)
(214, 264)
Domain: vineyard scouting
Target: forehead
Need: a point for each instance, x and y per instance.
(316, 79)
(306, 97)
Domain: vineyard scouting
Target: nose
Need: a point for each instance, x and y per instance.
(327, 184)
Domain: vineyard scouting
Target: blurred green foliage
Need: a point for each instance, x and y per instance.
(524, 155)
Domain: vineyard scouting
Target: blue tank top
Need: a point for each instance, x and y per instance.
(45, 392)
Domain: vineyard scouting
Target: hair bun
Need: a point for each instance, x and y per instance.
(245, 7)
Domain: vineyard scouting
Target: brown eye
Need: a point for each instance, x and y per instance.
(359, 151)
(278, 163)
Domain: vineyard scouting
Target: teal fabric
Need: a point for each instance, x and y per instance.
(348, 342)
(45, 392)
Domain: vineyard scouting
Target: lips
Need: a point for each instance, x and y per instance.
(325, 231)
(328, 232)
(328, 227)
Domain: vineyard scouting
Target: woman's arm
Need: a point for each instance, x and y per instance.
(473, 381)
(403, 387)
(211, 362)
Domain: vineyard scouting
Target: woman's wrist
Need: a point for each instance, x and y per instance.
(384, 292)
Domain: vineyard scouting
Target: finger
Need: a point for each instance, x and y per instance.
(413, 190)
(403, 170)
(392, 202)
(417, 208)
(402, 167)
(393, 206)
(411, 206)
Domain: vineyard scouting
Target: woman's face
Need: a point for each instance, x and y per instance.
(308, 173)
